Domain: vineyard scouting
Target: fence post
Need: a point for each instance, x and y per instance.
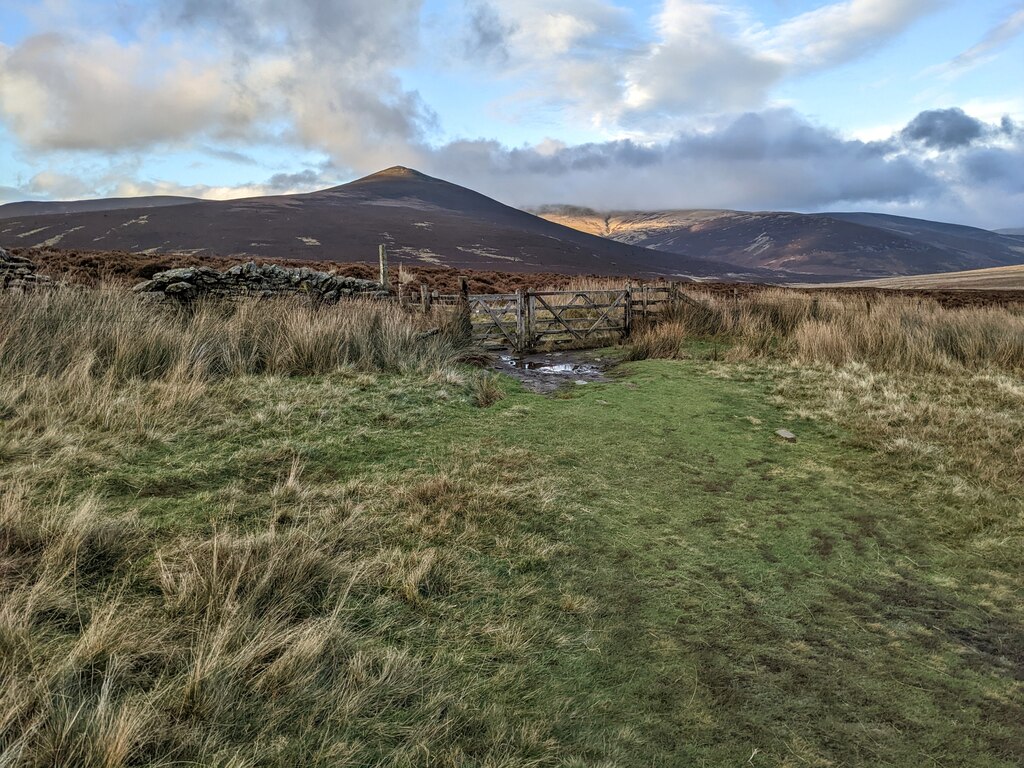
(382, 252)
(627, 316)
(465, 313)
(673, 294)
(424, 298)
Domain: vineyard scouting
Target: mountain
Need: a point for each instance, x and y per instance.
(829, 246)
(40, 208)
(421, 219)
(1015, 231)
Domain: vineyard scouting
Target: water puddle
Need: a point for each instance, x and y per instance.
(547, 372)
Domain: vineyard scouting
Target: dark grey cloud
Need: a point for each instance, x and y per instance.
(774, 159)
(486, 37)
(996, 167)
(307, 179)
(944, 128)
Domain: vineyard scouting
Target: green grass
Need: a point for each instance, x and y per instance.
(635, 573)
(753, 595)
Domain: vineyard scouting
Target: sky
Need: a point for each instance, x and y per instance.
(912, 107)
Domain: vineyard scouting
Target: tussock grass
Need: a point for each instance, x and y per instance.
(219, 560)
(95, 334)
(886, 333)
(277, 645)
(282, 623)
(486, 389)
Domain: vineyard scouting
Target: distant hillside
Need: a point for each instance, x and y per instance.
(1016, 231)
(422, 220)
(828, 246)
(994, 279)
(40, 208)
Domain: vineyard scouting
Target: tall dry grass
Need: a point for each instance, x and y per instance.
(322, 620)
(108, 333)
(887, 333)
(311, 638)
(935, 391)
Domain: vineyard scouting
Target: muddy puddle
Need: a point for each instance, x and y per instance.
(549, 371)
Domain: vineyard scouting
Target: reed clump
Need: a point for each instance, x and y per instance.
(108, 333)
(886, 333)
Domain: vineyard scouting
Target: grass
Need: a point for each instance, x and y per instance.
(362, 566)
(888, 333)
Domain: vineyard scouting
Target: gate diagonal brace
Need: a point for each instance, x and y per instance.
(605, 316)
(557, 316)
(494, 314)
(616, 302)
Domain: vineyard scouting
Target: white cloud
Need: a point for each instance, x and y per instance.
(837, 33)
(130, 188)
(312, 73)
(986, 48)
(701, 63)
(697, 57)
(323, 74)
(58, 186)
(61, 92)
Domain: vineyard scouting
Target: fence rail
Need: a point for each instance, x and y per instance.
(525, 319)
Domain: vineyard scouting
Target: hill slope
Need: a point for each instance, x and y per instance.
(829, 246)
(40, 208)
(992, 279)
(420, 218)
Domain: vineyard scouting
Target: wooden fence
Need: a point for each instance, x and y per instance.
(525, 320)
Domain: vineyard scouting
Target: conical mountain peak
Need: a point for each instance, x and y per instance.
(396, 172)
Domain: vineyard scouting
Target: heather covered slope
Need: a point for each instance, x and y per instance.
(828, 246)
(45, 208)
(423, 220)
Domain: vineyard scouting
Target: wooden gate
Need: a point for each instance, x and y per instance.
(578, 318)
(497, 319)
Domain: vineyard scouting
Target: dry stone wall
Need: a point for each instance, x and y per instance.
(19, 274)
(262, 280)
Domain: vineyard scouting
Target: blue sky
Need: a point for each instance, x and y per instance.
(904, 106)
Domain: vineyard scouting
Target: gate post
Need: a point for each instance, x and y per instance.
(424, 298)
(627, 315)
(520, 322)
(530, 320)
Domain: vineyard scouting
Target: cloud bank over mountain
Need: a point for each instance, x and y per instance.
(768, 160)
